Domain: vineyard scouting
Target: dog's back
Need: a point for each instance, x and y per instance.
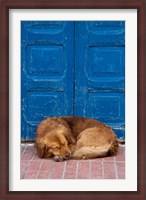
(79, 124)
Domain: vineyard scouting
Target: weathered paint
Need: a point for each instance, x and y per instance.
(47, 72)
(100, 72)
(72, 68)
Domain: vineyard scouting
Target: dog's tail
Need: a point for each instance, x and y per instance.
(113, 148)
(89, 152)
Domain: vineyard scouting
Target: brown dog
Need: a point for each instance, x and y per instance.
(74, 137)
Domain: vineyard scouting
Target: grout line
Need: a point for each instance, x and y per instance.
(115, 165)
(28, 144)
(39, 169)
(77, 167)
(109, 161)
(116, 158)
(24, 150)
(64, 169)
(26, 168)
(31, 159)
(90, 172)
(91, 168)
(51, 168)
(102, 168)
(34, 151)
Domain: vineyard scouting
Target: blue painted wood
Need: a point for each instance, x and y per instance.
(47, 72)
(72, 68)
(100, 72)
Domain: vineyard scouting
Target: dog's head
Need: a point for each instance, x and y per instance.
(55, 144)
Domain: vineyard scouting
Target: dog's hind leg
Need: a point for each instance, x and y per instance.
(89, 152)
(96, 142)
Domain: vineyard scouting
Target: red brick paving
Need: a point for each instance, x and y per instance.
(121, 155)
(121, 170)
(45, 169)
(84, 169)
(57, 170)
(71, 169)
(24, 164)
(33, 167)
(96, 169)
(109, 170)
(28, 153)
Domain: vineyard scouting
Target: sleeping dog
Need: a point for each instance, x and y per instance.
(72, 137)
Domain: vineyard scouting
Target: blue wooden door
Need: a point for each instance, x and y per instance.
(47, 72)
(72, 68)
(100, 72)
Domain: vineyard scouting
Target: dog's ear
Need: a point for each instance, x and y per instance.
(70, 138)
(40, 147)
(79, 136)
(67, 133)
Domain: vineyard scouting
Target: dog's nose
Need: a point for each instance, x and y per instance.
(58, 158)
(67, 155)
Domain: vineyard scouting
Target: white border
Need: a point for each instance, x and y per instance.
(130, 183)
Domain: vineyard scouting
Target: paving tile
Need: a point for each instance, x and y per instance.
(96, 169)
(45, 169)
(57, 170)
(32, 169)
(84, 170)
(22, 148)
(70, 169)
(109, 170)
(121, 154)
(35, 156)
(109, 159)
(24, 164)
(42, 175)
(28, 153)
(121, 169)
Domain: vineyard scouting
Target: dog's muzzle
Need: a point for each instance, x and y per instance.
(60, 158)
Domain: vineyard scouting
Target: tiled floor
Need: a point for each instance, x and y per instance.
(33, 167)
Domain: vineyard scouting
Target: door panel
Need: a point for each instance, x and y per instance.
(105, 33)
(100, 71)
(47, 68)
(102, 106)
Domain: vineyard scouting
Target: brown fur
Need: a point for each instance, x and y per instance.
(74, 137)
